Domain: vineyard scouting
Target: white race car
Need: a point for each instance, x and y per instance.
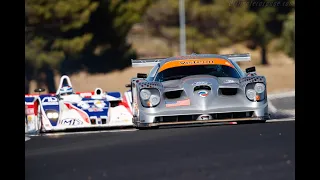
(67, 109)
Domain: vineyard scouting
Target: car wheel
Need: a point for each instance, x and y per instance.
(251, 122)
(148, 128)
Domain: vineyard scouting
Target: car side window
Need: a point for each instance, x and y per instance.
(238, 68)
(152, 73)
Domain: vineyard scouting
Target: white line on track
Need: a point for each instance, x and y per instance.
(288, 112)
(280, 120)
(281, 95)
(26, 139)
(85, 132)
(272, 108)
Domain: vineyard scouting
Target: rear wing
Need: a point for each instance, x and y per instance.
(238, 57)
(146, 62)
(155, 61)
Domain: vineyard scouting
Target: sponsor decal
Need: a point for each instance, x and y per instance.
(119, 120)
(88, 101)
(29, 118)
(201, 83)
(229, 81)
(83, 105)
(197, 62)
(72, 122)
(81, 112)
(31, 95)
(177, 103)
(99, 104)
(95, 109)
(203, 93)
(94, 101)
(50, 101)
(86, 94)
(30, 111)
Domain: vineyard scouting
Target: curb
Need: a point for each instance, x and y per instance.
(281, 95)
(278, 114)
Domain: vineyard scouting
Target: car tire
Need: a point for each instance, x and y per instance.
(148, 128)
(251, 122)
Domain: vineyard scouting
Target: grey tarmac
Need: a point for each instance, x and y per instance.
(229, 152)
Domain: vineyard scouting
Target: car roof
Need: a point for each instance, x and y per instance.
(205, 59)
(191, 57)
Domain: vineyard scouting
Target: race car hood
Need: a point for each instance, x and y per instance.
(188, 83)
(199, 90)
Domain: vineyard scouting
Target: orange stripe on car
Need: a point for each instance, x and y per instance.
(195, 62)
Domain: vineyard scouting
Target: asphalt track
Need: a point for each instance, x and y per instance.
(230, 152)
(285, 103)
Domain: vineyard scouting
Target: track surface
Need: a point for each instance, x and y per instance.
(230, 152)
(285, 103)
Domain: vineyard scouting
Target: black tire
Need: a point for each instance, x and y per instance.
(251, 122)
(148, 128)
(40, 124)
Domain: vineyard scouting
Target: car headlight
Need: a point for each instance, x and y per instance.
(51, 114)
(154, 100)
(259, 88)
(251, 94)
(256, 91)
(145, 94)
(150, 97)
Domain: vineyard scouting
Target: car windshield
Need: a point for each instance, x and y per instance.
(183, 71)
(65, 94)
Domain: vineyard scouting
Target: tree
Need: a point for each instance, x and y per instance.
(110, 24)
(210, 24)
(73, 35)
(288, 35)
(269, 18)
(50, 35)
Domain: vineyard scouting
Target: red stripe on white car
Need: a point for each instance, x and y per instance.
(85, 94)
(36, 95)
(82, 113)
(125, 103)
(30, 109)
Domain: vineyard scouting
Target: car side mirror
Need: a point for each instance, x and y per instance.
(128, 85)
(39, 90)
(141, 75)
(251, 69)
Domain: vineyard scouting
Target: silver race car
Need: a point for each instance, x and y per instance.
(197, 88)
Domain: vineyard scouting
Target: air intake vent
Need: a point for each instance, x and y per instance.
(228, 91)
(197, 88)
(98, 91)
(173, 94)
(114, 103)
